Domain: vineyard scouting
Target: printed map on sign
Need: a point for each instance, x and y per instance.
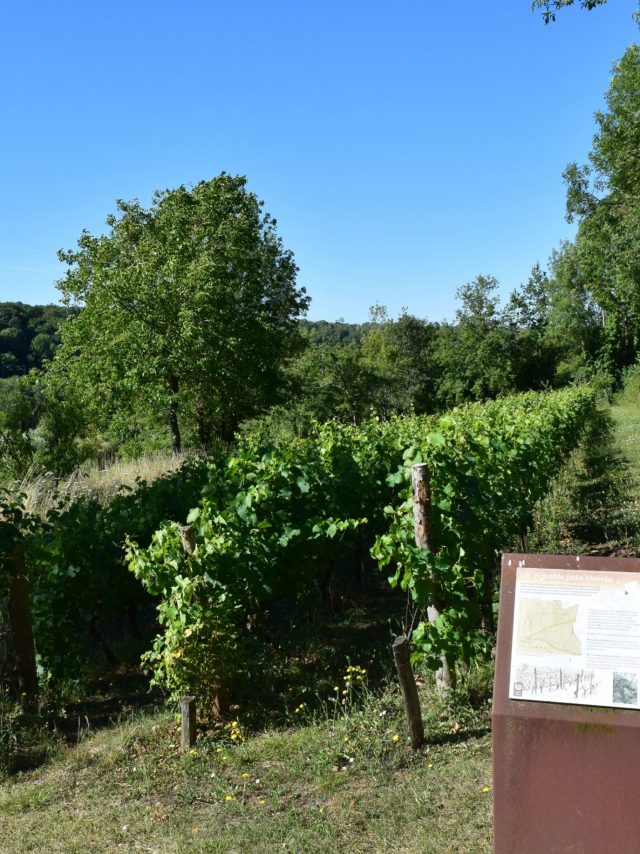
(576, 637)
(547, 627)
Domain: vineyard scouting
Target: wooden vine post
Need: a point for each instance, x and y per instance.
(425, 539)
(188, 728)
(220, 701)
(188, 539)
(409, 690)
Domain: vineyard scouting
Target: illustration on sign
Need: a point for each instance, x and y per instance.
(576, 637)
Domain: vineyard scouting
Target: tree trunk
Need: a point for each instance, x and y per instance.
(204, 429)
(174, 427)
(96, 635)
(21, 625)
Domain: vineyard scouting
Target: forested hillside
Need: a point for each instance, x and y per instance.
(29, 335)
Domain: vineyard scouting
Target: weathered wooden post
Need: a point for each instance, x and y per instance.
(188, 702)
(188, 538)
(188, 729)
(425, 539)
(409, 690)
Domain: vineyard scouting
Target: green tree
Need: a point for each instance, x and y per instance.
(604, 197)
(575, 325)
(190, 307)
(528, 307)
(383, 366)
(336, 381)
(527, 314)
(401, 352)
(476, 356)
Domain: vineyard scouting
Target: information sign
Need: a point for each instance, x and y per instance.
(576, 637)
(566, 710)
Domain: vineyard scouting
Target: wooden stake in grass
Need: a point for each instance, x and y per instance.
(425, 539)
(409, 690)
(188, 731)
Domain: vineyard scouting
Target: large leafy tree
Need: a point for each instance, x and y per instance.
(604, 197)
(476, 355)
(190, 308)
(401, 353)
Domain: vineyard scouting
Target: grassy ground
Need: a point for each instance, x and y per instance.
(594, 505)
(345, 781)
(626, 413)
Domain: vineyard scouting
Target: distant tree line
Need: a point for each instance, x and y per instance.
(548, 333)
(186, 322)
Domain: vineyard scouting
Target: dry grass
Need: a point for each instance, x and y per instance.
(44, 491)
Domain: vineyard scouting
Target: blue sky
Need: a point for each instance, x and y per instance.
(403, 148)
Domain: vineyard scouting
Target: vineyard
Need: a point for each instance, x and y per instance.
(281, 526)
(252, 526)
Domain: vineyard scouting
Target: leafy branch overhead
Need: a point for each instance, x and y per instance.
(550, 7)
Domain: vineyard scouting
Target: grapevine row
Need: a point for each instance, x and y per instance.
(276, 518)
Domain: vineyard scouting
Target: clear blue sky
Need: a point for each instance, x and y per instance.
(403, 147)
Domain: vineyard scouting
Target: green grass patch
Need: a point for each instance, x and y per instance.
(344, 780)
(592, 506)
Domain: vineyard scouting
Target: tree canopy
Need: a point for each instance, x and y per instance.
(604, 197)
(190, 308)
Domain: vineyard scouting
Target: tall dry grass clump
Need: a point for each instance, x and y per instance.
(44, 491)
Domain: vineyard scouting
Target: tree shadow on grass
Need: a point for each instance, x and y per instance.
(305, 661)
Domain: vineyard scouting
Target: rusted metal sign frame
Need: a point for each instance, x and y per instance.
(566, 778)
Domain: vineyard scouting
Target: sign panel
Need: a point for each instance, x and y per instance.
(576, 637)
(565, 720)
